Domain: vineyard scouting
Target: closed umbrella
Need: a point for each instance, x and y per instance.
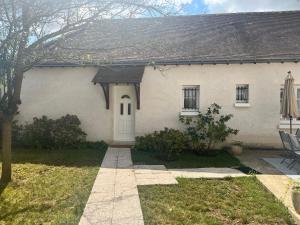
(289, 107)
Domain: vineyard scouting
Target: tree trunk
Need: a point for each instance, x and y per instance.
(6, 150)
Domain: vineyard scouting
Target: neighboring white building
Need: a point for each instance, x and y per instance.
(160, 68)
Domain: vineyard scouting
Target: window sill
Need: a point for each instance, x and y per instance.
(242, 105)
(189, 113)
(285, 124)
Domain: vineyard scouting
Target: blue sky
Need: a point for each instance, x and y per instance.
(195, 7)
(226, 6)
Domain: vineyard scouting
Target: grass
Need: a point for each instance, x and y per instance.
(187, 160)
(49, 187)
(212, 202)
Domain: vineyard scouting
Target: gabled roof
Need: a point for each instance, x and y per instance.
(210, 38)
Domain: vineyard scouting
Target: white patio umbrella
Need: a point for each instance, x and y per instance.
(289, 107)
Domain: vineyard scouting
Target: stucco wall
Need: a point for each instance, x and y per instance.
(57, 91)
(161, 93)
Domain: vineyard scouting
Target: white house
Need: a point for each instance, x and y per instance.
(125, 78)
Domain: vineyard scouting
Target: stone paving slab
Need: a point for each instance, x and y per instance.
(153, 174)
(140, 168)
(114, 199)
(207, 173)
(159, 174)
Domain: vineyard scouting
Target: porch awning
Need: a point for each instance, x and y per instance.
(119, 74)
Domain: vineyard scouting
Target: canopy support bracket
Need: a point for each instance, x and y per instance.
(137, 92)
(105, 87)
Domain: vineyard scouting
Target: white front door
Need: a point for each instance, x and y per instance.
(124, 114)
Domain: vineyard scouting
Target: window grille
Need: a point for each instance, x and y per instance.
(242, 93)
(191, 98)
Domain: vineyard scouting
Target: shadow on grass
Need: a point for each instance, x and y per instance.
(3, 185)
(187, 159)
(61, 157)
(32, 208)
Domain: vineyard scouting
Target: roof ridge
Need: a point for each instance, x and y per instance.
(204, 15)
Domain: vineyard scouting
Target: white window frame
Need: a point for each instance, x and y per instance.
(190, 112)
(242, 103)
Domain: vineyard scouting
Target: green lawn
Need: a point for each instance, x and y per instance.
(187, 160)
(49, 187)
(212, 202)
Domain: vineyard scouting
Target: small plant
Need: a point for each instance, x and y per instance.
(207, 129)
(167, 144)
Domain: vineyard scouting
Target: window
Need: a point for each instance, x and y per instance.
(122, 109)
(242, 93)
(129, 109)
(190, 98)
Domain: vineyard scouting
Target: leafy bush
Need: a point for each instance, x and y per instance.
(67, 132)
(167, 143)
(48, 133)
(208, 129)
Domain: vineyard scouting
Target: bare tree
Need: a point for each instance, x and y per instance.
(28, 31)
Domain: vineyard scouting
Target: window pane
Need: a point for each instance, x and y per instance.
(190, 98)
(122, 109)
(129, 109)
(242, 93)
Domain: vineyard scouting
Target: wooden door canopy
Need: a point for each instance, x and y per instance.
(107, 75)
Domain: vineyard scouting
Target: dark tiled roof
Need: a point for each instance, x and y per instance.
(202, 38)
(119, 74)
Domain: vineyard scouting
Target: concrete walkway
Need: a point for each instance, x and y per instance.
(159, 174)
(114, 199)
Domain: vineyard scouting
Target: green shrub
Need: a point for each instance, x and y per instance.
(167, 144)
(207, 129)
(66, 131)
(146, 143)
(48, 133)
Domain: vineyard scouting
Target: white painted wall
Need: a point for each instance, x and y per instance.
(258, 124)
(57, 91)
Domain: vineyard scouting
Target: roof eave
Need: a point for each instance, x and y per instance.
(174, 62)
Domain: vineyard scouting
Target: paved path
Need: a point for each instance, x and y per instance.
(114, 199)
(158, 174)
